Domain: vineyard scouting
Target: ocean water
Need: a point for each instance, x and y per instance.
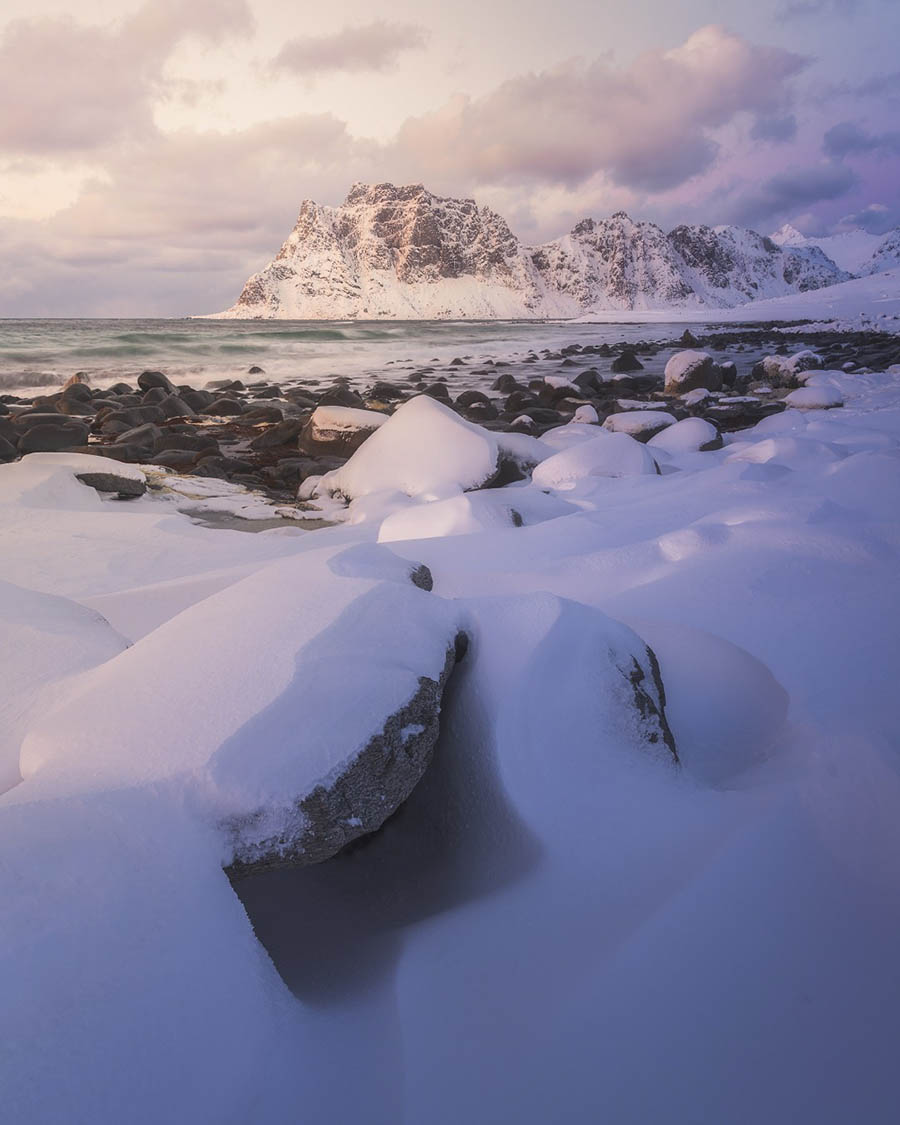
(43, 354)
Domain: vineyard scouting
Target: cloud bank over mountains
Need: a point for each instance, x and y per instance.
(128, 170)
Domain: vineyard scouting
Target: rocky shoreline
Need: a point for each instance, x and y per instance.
(272, 437)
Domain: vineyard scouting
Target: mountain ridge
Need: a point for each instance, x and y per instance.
(392, 252)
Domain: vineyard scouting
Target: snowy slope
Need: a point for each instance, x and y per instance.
(405, 254)
(856, 251)
(886, 256)
(863, 302)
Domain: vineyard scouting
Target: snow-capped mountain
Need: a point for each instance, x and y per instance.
(614, 263)
(404, 253)
(887, 254)
(856, 251)
(401, 253)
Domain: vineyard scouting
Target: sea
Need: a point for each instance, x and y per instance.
(40, 355)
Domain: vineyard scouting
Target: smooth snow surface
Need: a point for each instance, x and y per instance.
(561, 924)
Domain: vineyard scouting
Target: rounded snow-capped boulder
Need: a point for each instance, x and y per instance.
(691, 435)
(338, 431)
(819, 396)
(299, 706)
(608, 455)
(690, 370)
(639, 424)
(786, 371)
(586, 414)
(424, 449)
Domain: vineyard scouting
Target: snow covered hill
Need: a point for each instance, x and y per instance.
(856, 251)
(403, 253)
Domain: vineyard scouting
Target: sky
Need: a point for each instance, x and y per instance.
(154, 153)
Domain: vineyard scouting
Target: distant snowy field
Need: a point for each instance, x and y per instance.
(559, 926)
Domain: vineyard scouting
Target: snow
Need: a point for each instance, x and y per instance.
(344, 419)
(818, 397)
(638, 421)
(686, 436)
(585, 415)
(559, 911)
(363, 260)
(423, 449)
(610, 455)
(682, 364)
(851, 250)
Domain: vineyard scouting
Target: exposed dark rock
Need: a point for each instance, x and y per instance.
(147, 380)
(626, 362)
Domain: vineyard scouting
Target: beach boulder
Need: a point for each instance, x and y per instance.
(425, 449)
(338, 431)
(689, 370)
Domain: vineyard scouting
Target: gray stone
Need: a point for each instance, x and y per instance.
(50, 438)
(362, 797)
(147, 380)
(112, 481)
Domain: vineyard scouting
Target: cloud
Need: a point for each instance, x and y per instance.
(776, 129)
(178, 223)
(370, 47)
(876, 218)
(798, 9)
(849, 139)
(648, 126)
(788, 192)
(68, 88)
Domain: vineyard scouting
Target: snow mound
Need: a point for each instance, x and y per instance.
(181, 704)
(611, 455)
(725, 707)
(43, 639)
(690, 435)
(424, 449)
(639, 423)
(816, 397)
(585, 415)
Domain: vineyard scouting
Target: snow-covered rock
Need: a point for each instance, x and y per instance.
(690, 435)
(817, 397)
(586, 414)
(339, 430)
(787, 371)
(608, 455)
(424, 449)
(691, 370)
(639, 424)
(244, 698)
(459, 515)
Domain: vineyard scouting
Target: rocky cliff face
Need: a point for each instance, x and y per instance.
(403, 253)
